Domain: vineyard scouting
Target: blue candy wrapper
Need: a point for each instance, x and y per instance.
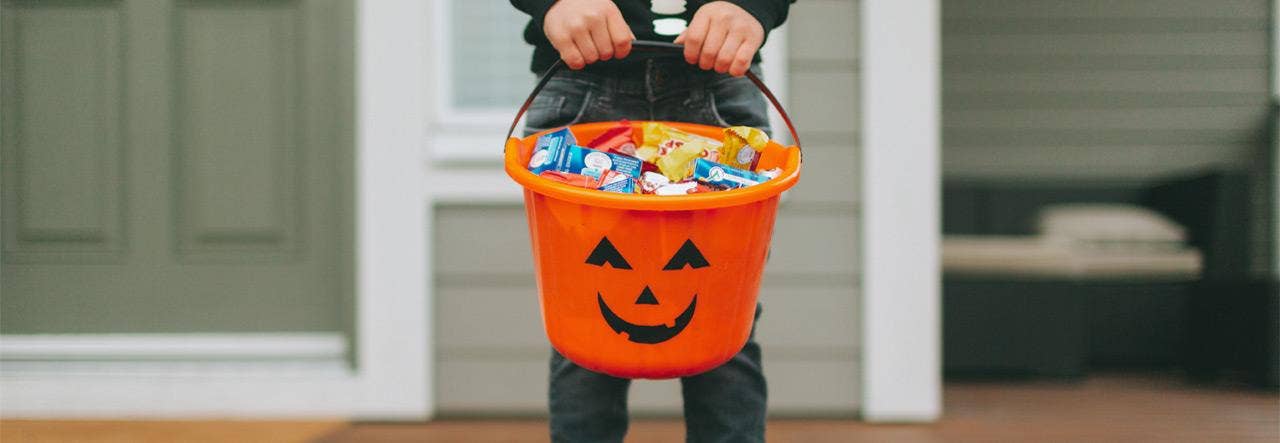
(587, 161)
(550, 150)
(557, 152)
(724, 176)
(579, 160)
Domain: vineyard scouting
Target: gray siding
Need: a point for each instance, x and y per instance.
(1128, 88)
(491, 351)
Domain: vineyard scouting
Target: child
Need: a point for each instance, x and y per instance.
(593, 37)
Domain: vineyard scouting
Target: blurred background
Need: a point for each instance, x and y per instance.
(185, 191)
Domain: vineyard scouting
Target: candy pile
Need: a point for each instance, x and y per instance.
(667, 161)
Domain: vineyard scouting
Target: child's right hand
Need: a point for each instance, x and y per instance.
(587, 31)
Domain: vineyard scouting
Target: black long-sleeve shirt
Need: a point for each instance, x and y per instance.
(640, 17)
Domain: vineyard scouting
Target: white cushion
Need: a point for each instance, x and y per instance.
(1110, 226)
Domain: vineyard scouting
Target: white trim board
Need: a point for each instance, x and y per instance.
(901, 377)
(171, 375)
(172, 347)
(393, 363)
(158, 357)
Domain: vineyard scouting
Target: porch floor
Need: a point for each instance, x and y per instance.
(1101, 408)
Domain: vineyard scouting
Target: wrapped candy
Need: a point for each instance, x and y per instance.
(606, 180)
(550, 150)
(681, 188)
(650, 181)
(673, 150)
(742, 147)
(569, 178)
(720, 175)
(618, 139)
(667, 161)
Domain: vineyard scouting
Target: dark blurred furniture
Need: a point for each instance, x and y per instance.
(1234, 327)
(1000, 328)
(1045, 326)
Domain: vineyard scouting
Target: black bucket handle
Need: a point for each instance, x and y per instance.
(659, 47)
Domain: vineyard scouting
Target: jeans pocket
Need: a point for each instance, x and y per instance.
(737, 102)
(561, 103)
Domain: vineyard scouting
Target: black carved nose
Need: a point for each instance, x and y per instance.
(646, 297)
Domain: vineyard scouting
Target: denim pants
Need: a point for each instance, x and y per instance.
(726, 404)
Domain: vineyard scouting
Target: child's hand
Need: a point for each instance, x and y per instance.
(586, 31)
(722, 36)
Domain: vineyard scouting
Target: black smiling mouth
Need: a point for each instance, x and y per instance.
(646, 334)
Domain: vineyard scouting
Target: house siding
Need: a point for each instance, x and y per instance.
(1089, 89)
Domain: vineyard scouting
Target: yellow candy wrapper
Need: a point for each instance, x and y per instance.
(673, 151)
(742, 147)
(651, 135)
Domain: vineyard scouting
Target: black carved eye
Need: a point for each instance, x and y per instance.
(688, 255)
(606, 253)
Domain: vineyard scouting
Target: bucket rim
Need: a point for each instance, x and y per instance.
(531, 182)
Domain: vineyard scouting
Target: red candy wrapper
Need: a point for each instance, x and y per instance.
(618, 139)
(579, 180)
(608, 180)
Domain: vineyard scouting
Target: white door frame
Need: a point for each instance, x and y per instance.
(393, 367)
(901, 376)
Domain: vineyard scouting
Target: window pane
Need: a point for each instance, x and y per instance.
(490, 61)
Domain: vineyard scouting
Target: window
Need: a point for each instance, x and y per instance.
(481, 70)
(488, 59)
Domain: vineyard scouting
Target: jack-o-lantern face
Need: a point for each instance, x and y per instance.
(647, 294)
(688, 256)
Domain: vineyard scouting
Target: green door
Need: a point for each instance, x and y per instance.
(176, 166)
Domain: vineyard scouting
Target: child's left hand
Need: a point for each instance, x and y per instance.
(722, 36)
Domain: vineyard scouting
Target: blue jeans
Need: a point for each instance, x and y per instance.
(725, 404)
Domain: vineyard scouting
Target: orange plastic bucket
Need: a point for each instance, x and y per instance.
(645, 286)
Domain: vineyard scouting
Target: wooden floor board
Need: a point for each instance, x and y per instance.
(205, 431)
(1124, 408)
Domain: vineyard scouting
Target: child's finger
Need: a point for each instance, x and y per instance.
(742, 60)
(602, 42)
(568, 50)
(573, 58)
(694, 35)
(711, 47)
(728, 52)
(620, 34)
(585, 46)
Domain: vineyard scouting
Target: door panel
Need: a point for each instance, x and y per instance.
(62, 134)
(238, 98)
(176, 166)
